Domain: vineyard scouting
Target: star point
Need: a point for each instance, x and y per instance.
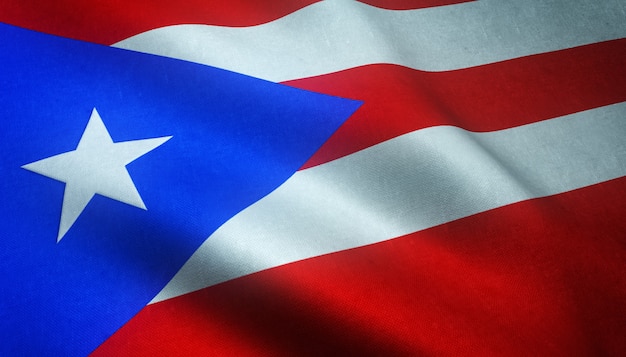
(97, 166)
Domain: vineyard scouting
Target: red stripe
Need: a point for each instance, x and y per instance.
(107, 22)
(398, 100)
(541, 277)
(411, 4)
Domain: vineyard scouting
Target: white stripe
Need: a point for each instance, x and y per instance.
(410, 183)
(334, 35)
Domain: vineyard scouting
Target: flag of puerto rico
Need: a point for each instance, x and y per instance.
(301, 177)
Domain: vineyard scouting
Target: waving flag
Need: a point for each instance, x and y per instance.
(474, 204)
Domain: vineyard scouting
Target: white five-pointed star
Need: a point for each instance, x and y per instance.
(98, 165)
